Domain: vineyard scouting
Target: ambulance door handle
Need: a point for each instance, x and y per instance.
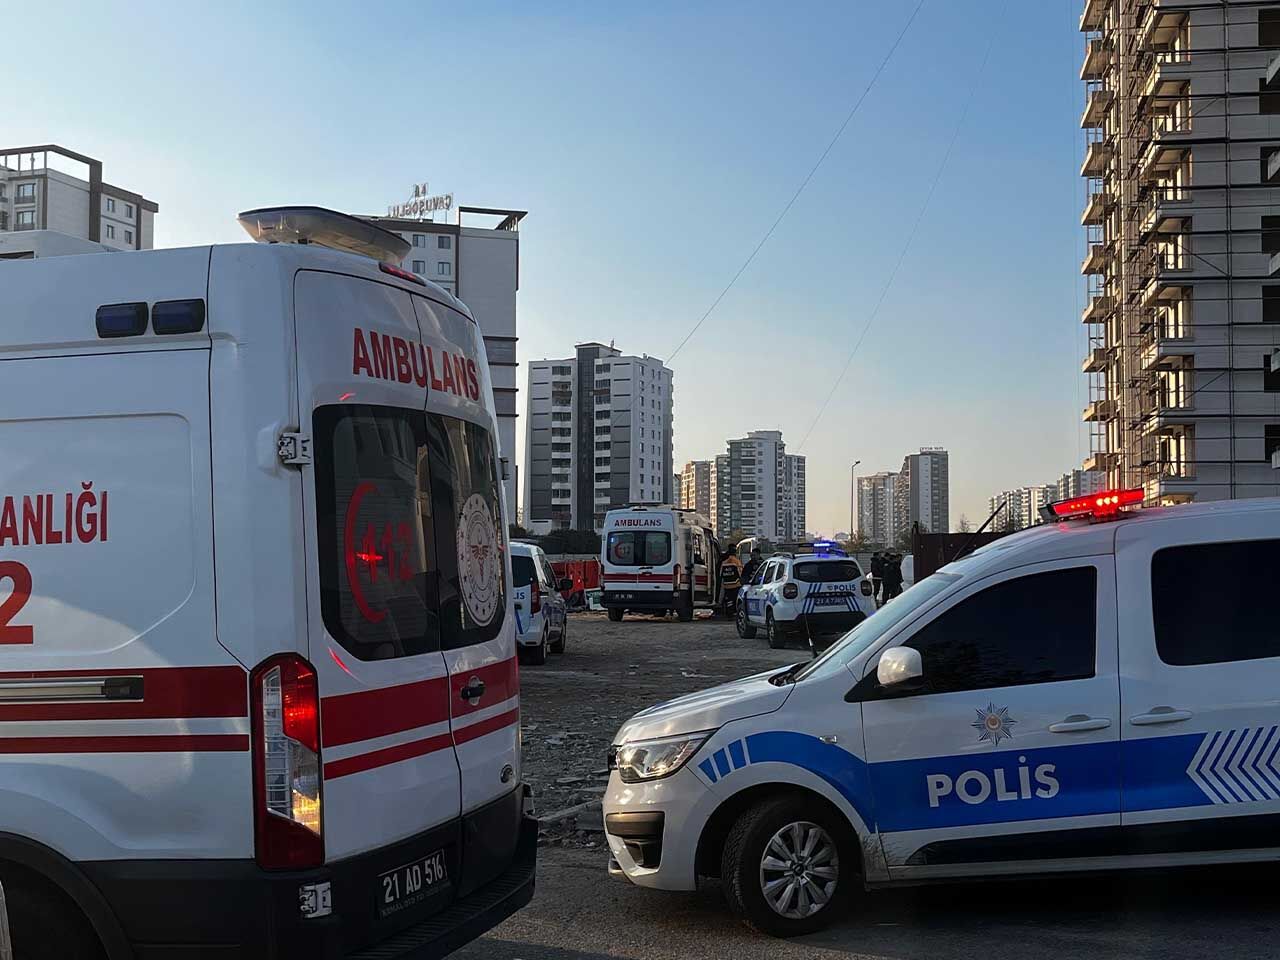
(474, 689)
(1160, 715)
(1077, 723)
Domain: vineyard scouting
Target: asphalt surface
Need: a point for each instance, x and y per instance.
(572, 706)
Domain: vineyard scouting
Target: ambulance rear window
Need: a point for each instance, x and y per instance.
(634, 548)
(375, 538)
(829, 571)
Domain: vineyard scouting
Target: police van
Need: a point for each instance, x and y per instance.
(658, 559)
(812, 596)
(542, 621)
(1057, 701)
(258, 686)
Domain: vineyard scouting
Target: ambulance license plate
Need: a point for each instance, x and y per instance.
(409, 885)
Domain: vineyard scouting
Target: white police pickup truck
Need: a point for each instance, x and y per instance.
(810, 595)
(1057, 701)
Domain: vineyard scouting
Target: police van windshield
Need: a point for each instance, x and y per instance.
(877, 625)
(828, 571)
(635, 548)
(522, 570)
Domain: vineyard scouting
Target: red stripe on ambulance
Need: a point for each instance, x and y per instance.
(182, 693)
(352, 717)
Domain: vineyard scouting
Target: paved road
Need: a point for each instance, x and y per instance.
(579, 914)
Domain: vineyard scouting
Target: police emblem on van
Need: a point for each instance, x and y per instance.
(994, 725)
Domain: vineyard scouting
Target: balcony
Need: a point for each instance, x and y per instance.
(1096, 209)
(1096, 259)
(1095, 159)
(1164, 353)
(1098, 410)
(1168, 141)
(1163, 211)
(1099, 308)
(1166, 489)
(1097, 57)
(1159, 25)
(1171, 69)
(1095, 361)
(1094, 14)
(1100, 460)
(1096, 107)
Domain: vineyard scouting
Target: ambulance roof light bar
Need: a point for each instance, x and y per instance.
(324, 228)
(1097, 506)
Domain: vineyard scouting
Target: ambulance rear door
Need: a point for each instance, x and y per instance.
(390, 772)
(478, 627)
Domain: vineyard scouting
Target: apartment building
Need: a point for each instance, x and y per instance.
(1182, 218)
(477, 259)
(50, 188)
(760, 488)
(597, 436)
(876, 507)
(1078, 483)
(695, 487)
(1019, 507)
(721, 501)
(922, 492)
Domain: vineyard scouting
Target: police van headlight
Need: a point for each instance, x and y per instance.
(641, 760)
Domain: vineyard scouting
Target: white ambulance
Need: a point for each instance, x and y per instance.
(658, 559)
(1064, 699)
(258, 686)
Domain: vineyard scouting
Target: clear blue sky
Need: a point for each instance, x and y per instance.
(653, 145)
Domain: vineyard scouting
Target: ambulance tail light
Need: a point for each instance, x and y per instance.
(286, 764)
(790, 591)
(535, 597)
(1107, 503)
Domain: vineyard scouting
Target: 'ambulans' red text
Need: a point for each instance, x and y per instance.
(387, 357)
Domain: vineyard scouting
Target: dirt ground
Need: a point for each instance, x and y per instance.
(572, 706)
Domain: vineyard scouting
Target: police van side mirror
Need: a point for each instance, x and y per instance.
(900, 669)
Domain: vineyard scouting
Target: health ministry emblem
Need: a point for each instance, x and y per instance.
(994, 725)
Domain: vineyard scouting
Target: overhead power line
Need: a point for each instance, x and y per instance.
(804, 183)
(955, 135)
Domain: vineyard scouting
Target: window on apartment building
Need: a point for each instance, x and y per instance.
(1265, 153)
(420, 266)
(444, 242)
(444, 269)
(1270, 381)
(128, 236)
(1173, 318)
(1271, 303)
(26, 193)
(1268, 100)
(111, 231)
(25, 219)
(128, 210)
(1270, 439)
(1269, 27)
(1271, 234)
(419, 240)
(111, 204)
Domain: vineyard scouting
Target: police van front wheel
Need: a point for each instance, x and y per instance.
(615, 614)
(783, 869)
(745, 630)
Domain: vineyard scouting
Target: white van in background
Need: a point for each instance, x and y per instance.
(658, 559)
(257, 653)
